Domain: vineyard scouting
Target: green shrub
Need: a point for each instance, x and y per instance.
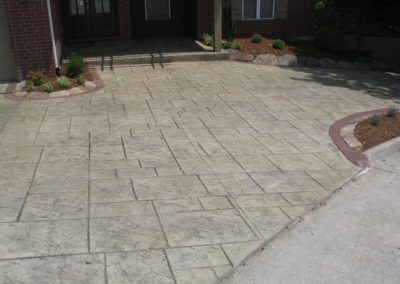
(392, 112)
(227, 45)
(292, 40)
(236, 45)
(256, 38)
(48, 87)
(75, 65)
(208, 39)
(30, 88)
(63, 82)
(80, 80)
(329, 39)
(278, 44)
(376, 120)
(37, 77)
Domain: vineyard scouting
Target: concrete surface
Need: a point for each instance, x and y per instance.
(170, 174)
(354, 239)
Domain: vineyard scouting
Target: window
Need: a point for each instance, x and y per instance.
(258, 9)
(157, 10)
(76, 7)
(102, 6)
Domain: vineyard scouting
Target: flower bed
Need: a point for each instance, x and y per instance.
(370, 134)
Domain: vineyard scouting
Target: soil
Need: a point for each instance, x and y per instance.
(302, 48)
(86, 74)
(370, 135)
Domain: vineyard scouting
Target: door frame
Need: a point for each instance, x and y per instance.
(91, 36)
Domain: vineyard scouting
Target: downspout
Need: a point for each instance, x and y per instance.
(53, 40)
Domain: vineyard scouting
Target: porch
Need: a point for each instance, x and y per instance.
(153, 50)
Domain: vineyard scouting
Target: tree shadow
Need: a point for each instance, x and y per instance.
(377, 84)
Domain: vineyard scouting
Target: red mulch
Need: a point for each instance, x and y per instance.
(370, 135)
(86, 74)
(302, 48)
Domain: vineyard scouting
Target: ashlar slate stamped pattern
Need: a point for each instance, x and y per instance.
(169, 175)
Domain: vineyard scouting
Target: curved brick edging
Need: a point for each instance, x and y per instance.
(99, 84)
(356, 157)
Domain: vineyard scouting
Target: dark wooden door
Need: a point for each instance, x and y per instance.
(152, 18)
(89, 18)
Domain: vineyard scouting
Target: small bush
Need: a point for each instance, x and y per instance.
(208, 39)
(48, 87)
(278, 44)
(80, 80)
(329, 39)
(37, 77)
(392, 112)
(227, 45)
(236, 45)
(30, 88)
(376, 120)
(256, 38)
(75, 65)
(63, 82)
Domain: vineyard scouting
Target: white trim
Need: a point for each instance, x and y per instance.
(53, 41)
(258, 12)
(161, 19)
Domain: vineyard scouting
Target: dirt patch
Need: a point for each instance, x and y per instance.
(370, 135)
(301, 48)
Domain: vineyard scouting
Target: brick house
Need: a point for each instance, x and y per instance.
(26, 42)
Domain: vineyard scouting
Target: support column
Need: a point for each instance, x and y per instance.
(217, 25)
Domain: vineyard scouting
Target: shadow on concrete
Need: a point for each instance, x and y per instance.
(378, 84)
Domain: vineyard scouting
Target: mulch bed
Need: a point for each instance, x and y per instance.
(302, 48)
(72, 82)
(370, 135)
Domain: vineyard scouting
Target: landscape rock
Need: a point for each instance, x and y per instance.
(75, 91)
(362, 66)
(327, 63)
(288, 60)
(267, 59)
(308, 61)
(241, 56)
(346, 65)
(21, 94)
(59, 94)
(90, 84)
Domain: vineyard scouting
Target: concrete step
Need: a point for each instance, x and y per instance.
(156, 58)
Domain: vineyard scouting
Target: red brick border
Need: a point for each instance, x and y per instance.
(96, 79)
(356, 157)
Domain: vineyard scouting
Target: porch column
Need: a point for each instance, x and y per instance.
(217, 25)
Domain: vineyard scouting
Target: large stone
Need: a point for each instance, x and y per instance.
(241, 56)
(267, 59)
(309, 61)
(327, 63)
(346, 65)
(288, 60)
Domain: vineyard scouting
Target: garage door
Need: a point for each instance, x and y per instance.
(7, 68)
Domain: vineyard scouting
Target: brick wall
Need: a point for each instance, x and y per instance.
(299, 21)
(124, 19)
(30, 35)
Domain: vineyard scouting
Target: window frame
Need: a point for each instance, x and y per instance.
(163, 19)
(258, 12)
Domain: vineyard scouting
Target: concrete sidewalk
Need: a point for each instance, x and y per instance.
(354, 239)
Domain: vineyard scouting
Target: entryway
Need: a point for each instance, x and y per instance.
(164, 18)
(89, 19)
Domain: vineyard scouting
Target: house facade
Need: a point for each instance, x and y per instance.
(25, 28)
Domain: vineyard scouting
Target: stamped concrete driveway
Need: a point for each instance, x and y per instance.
(169, 175)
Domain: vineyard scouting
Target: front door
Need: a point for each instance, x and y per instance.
(89, 18)
(164, 17)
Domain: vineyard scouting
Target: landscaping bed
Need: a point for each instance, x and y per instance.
(370, 134)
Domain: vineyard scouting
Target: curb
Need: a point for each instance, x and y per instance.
(357, 158)
(383, 150)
